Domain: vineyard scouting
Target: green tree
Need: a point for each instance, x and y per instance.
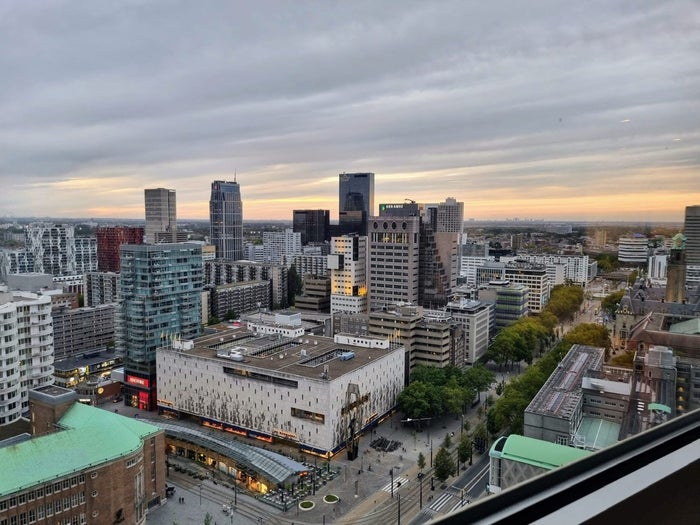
(295, 284)
(420, 400)
(632, 277)
(214, 320)
(447, 442)
(421, 461)
(477, 379)
(454, 397)
(464, 449)
(444, 464)
(592, 334)
(610, 301)
(230, 315)
(207, 519)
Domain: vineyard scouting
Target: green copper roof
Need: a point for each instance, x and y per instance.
(90, 436)
(536, 452)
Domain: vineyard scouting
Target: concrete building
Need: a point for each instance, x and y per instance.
(82, 330)
(317, 294)
(577, 269)
(691, 230)
(348, 268)
(468, 268)
(161, 216)
(222, 271)
(534, 277)
(656, 268)
(633, 250)
(100, 288)
(277, 245)
(307, 264)
(394, 252)
(238, 298)
(475, 319)
(314, 225)
(57, 251)
(226, 219)
(355, 202)
(510, 302)
(15, 261)
(314, 392)
(26, 350)
(675, 271)
(556, 412)
(515, 459)
(96, 466)
(109, 239)
(159, 299)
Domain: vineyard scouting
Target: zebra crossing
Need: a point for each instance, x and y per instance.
(398, 482)
(442, 500)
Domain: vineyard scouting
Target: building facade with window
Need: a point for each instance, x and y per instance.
(95, 466)
(159, 299)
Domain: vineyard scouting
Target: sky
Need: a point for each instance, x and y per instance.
(539, 109)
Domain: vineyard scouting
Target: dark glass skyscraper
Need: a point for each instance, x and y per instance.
(312, 224)
(226, 220)
(355, 202)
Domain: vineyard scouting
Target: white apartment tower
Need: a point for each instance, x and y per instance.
(26, 350)
(347, 264)
(56, 251)
(278, 244)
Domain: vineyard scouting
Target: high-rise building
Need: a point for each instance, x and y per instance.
(100, 288)
(159, 301)
(226, 219)
(161, 216)
(394, 249)
(691, 230)
(109, 239)
(314, 225)
(277, 245)
(633, 250)
(347, 263)
(440, 233)
(355, 202)
(58, 252)
(26, 350)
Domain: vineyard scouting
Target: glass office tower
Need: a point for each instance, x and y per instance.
(226, 220)
(355, 202)
(159, 301)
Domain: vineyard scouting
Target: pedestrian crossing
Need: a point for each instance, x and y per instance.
(398, 482)
(442, 500)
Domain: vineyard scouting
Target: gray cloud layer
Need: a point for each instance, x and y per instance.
(499, 97)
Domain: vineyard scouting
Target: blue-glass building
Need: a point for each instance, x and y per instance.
(355, 202)
(226, 220)
(159, 301)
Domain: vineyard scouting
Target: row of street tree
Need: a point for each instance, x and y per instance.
(434, 392)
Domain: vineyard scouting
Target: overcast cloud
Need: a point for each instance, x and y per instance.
(564, 110)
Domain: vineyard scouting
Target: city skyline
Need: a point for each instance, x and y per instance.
(542, 111)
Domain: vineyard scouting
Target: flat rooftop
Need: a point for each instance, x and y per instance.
(306, 356)
(561, 393)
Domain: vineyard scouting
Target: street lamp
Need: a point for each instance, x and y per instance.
(200, 493)
(431, 453)
(391, 473)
